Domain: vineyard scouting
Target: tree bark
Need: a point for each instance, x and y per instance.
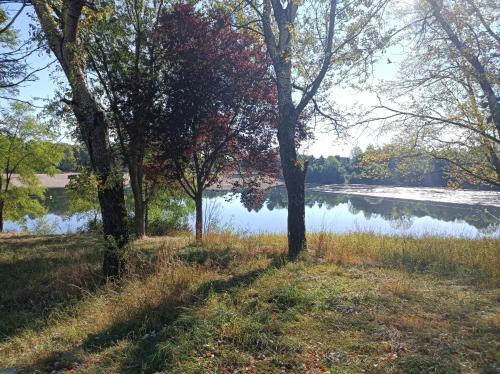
(136, 183)
(146, 217)
(110, 186)
(199, 217)
(294, 180)
(1, 215)
(294, 170)
(115, 230)
(294, 173)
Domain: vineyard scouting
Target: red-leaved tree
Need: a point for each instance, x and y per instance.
(217, 107)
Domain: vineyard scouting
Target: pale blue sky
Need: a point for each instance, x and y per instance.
(43, 87)
(325, 143)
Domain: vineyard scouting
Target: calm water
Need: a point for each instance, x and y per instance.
(470, 214)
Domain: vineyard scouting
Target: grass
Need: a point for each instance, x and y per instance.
(356, 303)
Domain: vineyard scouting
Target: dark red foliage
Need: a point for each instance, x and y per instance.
(253, 198)
(217, 105)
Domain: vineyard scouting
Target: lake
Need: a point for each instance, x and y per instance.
(335, 208)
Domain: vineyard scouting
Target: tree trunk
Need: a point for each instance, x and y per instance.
(110, 187)
(294, 174)
(199, 217)
(1, 215)
(293, 170)
(494, 160)
(146, 217)
(115, 230)
(136, 180)
(296, 210)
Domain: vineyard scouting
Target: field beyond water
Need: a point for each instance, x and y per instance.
(356, 303)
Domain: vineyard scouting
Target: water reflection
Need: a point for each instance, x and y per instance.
(333, 212)
(343, 213)
(58, 220)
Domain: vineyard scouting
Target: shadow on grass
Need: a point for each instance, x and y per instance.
(27, 242)
(38, 274)
(137, 327)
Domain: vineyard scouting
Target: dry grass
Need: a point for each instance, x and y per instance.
(479, 259)
(357, 303)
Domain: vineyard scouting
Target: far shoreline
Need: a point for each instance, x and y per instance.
(61, 180)
(488, 197)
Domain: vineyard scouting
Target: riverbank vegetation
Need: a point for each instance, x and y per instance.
(356, 302)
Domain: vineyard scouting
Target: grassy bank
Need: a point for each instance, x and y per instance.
(357, 303)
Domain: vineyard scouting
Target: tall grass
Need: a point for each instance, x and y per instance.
(479, 260)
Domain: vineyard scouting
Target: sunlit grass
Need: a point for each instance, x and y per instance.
(356, 302)
(475, 259)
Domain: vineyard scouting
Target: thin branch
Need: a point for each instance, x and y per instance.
(6, 27)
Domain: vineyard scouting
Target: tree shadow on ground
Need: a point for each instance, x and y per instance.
(39, 274)
(28, 242)
(147, 320)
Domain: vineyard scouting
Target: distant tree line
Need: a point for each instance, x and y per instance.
(387, 165)
(376, 165)
(74, 158)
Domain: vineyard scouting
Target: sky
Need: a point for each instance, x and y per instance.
(325, 142)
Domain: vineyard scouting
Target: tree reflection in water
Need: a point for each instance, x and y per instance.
(330, 211)
(400, 213)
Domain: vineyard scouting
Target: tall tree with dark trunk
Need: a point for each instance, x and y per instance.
(61, 24)
(124, 60)
(303, 47)
(217, 105)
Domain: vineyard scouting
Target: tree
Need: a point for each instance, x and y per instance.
(217, 112)
(10, 69)
(447, 93)
(82, 193)
(62, 24)
(75, 158)
(26, 148)
(123, 57)
(305, 39)
(399, 163)
(485, 40)
(13, 54)
(326, 170)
